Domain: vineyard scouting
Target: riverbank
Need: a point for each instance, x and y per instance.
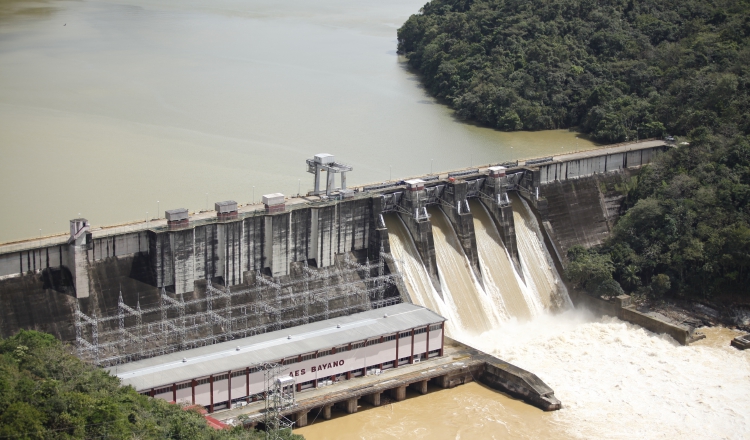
(602, 369)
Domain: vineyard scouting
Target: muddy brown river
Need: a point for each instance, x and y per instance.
(615, 380)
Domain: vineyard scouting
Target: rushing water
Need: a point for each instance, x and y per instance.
(616, 381)
(107, 106)
(539, 270)
(415, 276)
(500, 279)
(475, 309)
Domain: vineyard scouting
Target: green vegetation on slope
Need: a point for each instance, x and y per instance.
(687, 229)
(615, 68)
(46, 393)
(618, 69)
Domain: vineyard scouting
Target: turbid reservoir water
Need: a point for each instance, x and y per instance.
(107, 106)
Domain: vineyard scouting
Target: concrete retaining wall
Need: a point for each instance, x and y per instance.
(678, 332)
(575, 213)
(626, 312)
(520, 383)
(508, 378)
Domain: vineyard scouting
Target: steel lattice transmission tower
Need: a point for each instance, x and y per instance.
(280, 395)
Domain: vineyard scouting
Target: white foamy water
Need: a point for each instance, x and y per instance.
(475, 308)
(617, 380)
(415, 276)
(538, 269)
(501, 281)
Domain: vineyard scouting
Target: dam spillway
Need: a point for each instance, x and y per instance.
(502, 281)
(505, 295)
(539, 269)
(203, 277)
(475, 310)
(415, 277)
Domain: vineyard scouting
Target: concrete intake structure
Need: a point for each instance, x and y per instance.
(200, 270)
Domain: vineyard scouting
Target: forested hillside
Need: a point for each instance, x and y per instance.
(686, 232)
(47, 393)
(616, 69)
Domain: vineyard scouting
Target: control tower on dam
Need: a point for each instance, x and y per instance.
(134, 291)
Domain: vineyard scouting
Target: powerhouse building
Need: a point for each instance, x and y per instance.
(315, 354)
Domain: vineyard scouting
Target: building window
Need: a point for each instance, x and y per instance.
(202, 381)
(372, 342)
(253, 370)
(238, 373)
(342, 348)
(420, 330)
(290, 361)
(182, 386)
(404, 335)
(389, 338)
(324, 353)
(163, 390)
(434, 327)
(222, 377)
(357, 345)
(308, 356)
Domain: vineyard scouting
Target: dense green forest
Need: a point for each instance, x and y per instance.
(617, 69)
(47, 393)
(687, 229)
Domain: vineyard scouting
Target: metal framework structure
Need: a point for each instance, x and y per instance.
(325, 162)
(224, 314)
(280, 395)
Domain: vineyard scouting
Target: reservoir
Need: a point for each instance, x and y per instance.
(118, 110)
(108, 106)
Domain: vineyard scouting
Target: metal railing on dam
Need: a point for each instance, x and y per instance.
(52, 276)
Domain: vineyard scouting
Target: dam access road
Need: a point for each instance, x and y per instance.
(79, 286)
(110, 230)
(139, 291)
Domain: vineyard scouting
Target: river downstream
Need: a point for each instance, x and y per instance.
(114, 110)
(616, 381)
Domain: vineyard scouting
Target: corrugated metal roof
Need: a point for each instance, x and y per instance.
(272, 346)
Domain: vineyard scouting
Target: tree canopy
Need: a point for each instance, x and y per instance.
(47, 393)
(687, 229)
(618, 69)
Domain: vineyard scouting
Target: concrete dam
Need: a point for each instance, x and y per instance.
(478, 246)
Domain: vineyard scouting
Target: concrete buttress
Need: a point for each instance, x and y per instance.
(399, 393)
(300, 419)
(373, 399)
(419, 226)
(462, 221)
(420, 386)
